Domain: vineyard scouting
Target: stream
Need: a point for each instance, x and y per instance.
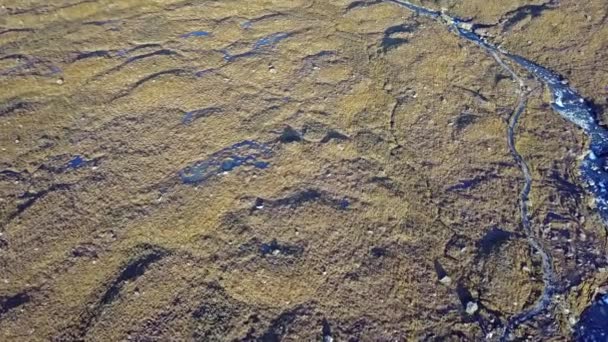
(573, 107)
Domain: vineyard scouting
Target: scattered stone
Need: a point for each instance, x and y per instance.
(445, 280)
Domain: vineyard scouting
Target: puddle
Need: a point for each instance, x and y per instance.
(246, 153)
(76, 162)
(195, 34)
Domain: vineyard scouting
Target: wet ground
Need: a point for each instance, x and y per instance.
(292, 170)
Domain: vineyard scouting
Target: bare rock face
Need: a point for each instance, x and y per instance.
(298, 170)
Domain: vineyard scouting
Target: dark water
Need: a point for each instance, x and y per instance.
(593, 324)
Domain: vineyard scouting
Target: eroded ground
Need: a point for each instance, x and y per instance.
(287, 170)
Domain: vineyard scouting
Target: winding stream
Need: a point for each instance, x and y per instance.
(570, 105)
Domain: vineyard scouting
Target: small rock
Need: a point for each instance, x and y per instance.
(467, 26)
(259, 204)
(60, 81)
(472, 308)
(445, 280)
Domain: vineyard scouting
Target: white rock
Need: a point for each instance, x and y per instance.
(445, 280)
(472, 308)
